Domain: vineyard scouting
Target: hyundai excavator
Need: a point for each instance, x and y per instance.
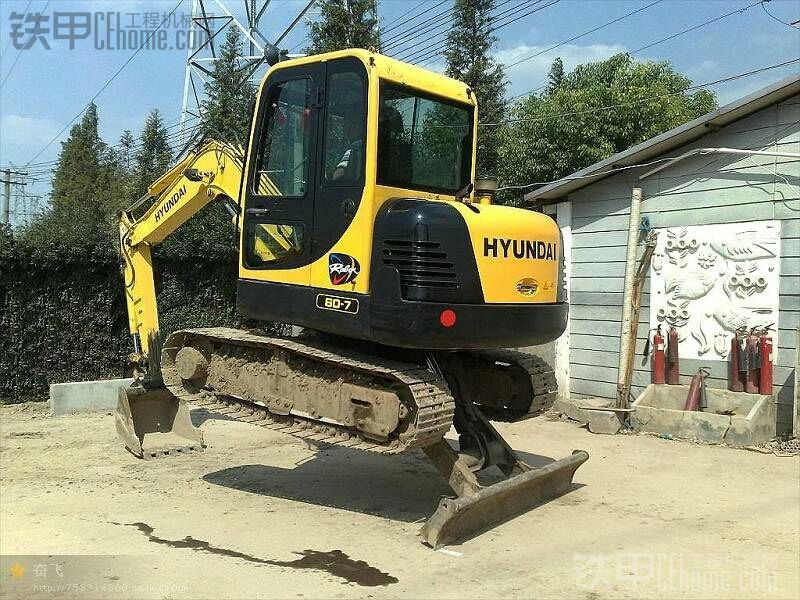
(360, 221)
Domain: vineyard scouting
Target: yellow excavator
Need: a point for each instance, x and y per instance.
(360, 220)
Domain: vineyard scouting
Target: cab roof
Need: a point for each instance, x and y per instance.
(393, 70)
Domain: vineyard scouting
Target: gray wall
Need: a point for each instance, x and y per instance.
(698, 191)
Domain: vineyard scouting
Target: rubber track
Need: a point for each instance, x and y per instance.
(543, 382)
(434, 403)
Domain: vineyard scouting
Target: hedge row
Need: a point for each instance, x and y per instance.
(67, 322)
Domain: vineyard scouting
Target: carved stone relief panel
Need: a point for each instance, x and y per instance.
(707, 281)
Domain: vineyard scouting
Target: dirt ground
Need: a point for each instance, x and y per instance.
(261, 514)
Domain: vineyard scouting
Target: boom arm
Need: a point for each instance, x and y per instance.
(210, 171)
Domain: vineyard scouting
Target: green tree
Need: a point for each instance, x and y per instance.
(126, 150)
(154, 156)
(226, 111)
(597, 110)
(469, 44)
(345, 24)
(85, 197)
(556, 76)
(80, 162)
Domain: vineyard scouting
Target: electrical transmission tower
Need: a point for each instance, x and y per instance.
(210, 19)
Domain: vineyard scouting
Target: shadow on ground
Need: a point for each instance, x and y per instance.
(201, 415)
(404, 487)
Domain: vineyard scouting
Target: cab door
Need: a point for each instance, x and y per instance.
(281, 185)
(340, 180)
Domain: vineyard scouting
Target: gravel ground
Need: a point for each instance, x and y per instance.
(261, 514)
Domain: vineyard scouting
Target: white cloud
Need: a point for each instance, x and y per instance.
(29, 131)
(532, 73)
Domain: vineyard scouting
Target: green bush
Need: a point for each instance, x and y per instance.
(65, 320)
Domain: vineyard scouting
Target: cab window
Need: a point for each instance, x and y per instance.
(272, 242)
(345, 128)
(282, 162)
(424, 142)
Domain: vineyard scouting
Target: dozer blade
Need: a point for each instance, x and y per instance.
(459, 518)
(153, 423)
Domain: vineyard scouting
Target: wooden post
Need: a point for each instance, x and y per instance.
(796, 404)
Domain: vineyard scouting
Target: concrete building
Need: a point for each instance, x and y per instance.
(728, 217)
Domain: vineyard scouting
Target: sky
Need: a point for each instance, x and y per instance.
(48, 87)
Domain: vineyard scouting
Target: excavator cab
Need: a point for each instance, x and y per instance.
(357, 213)
(365, 166)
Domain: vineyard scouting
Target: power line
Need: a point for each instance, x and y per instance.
(495, 24)
(10, 39)
(650, 45)
(703, 24)
(585, 33)
(416, 28)
(384, 31)
(175, 134)
(19, 50)
(605, 173)
(640, 100)
(410, 52)
(771, 16)
(107, 83)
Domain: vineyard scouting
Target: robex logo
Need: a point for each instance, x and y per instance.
(343, 268)
(506, 248)
(171, 201)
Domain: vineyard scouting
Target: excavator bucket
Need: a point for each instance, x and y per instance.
(473, 512)
(153, 422)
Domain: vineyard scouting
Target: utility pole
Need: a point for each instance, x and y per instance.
(6, 195)
(6, 181)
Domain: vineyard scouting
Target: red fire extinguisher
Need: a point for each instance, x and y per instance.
(765, 358)
(751, 352)
(673, 361)
(658, 359)
(696, 396)
(735, 373)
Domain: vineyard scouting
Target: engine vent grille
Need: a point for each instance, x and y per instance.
(420, 264)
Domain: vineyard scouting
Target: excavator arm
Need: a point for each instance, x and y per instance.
(212, 171)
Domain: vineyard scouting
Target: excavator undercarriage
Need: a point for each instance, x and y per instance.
(385, 401)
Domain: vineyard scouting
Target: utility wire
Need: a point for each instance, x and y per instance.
(703, 24)
(414, 50)
(48, 166)
(497, 27)
(647, 99)
(412, 31)
(403, 22)
(771, 16)
(10, 39)
(107, 83)
(585, 33)
(650, 45)
(19, 50)
(496, 23)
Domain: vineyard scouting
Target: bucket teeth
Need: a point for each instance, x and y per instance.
(154, 423)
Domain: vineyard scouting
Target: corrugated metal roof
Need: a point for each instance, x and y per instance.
(654, 147)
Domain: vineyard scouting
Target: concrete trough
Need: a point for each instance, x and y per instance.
(85, 396)
(733, 418)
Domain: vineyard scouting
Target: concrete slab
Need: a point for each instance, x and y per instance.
(85, 396)
(604, 421)
(578, 409)
(732, 418)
